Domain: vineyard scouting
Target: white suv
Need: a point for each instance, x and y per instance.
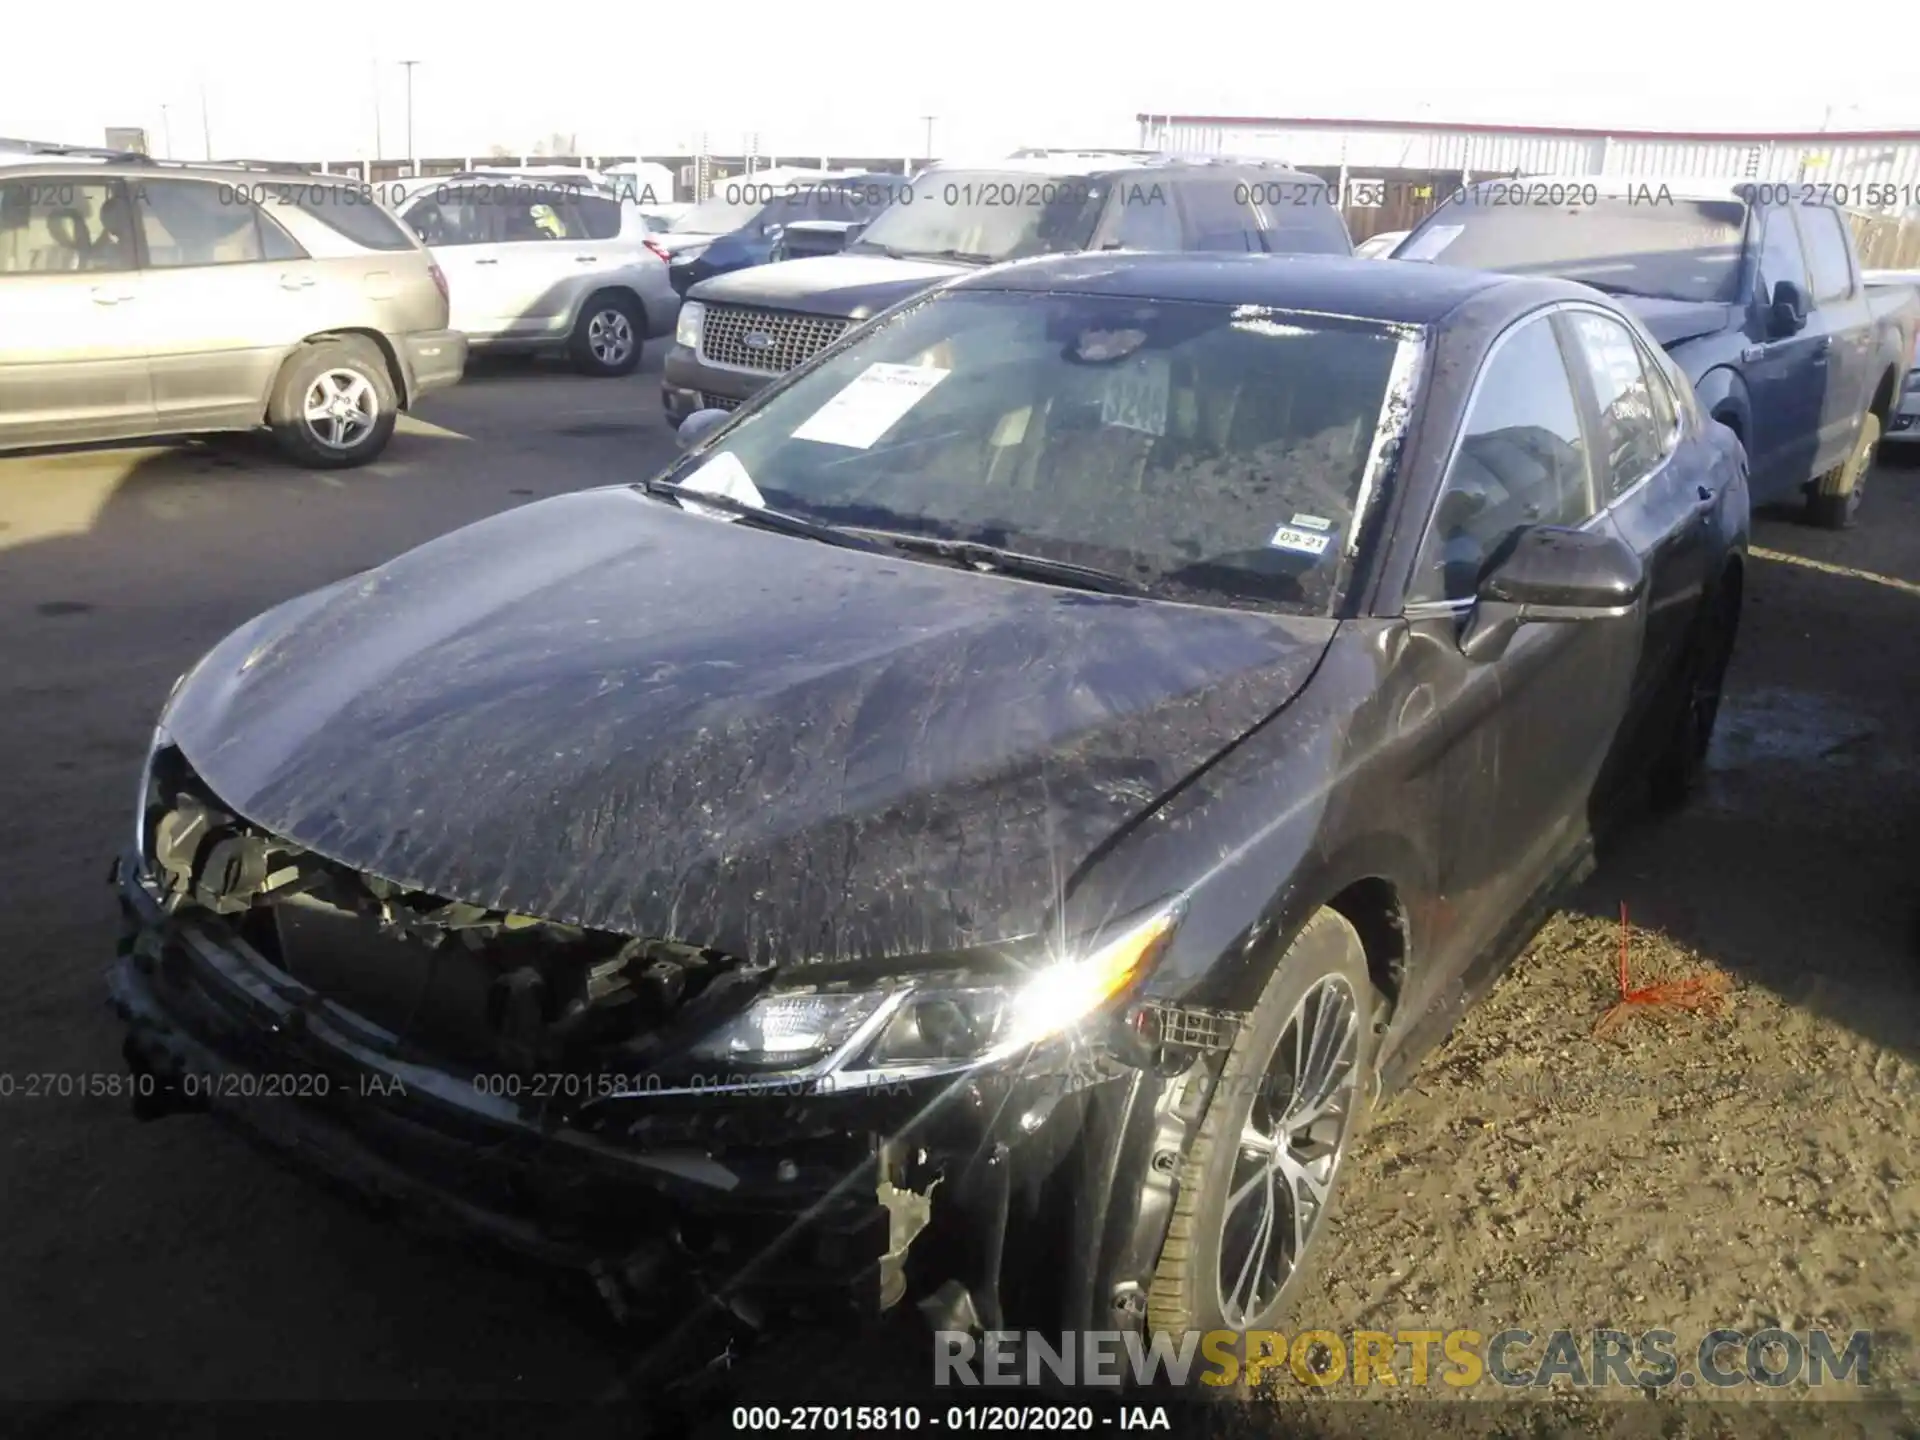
(543, 262)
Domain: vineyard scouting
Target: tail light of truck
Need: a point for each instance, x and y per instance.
(439, 280)
(665, 255)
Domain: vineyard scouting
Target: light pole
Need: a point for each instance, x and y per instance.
(206, 126)
(166, 132)
(379, 145)
(929, 119)
(412, 168)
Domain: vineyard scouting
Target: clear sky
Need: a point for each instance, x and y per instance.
(300, 81)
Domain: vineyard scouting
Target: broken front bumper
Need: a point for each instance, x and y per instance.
(775, 1198)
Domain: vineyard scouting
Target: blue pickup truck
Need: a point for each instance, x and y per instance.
(1754, 288)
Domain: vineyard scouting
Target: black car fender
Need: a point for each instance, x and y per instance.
(1723, 396)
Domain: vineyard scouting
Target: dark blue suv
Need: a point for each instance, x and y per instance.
(844, 200)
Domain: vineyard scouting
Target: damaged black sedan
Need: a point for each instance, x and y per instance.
(986, 824)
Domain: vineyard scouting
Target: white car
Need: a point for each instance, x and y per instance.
(1378, 247)
(545, 262)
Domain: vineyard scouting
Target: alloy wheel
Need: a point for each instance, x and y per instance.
(610, 336)
(1290, 1149)
(341, 408)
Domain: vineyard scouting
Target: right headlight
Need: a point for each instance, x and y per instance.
(693, 318)
(905, 1029)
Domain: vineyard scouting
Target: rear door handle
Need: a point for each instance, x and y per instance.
(296, 282)
(486, 262)
(107, 295)
(586, 259)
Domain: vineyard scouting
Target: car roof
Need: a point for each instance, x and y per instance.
(1680, 187)
(1113, 162)
(167, 169)
(1392, 294)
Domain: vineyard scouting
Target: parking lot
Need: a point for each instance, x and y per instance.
(1756, 1169)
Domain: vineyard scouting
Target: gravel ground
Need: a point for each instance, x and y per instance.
(1741, 1170)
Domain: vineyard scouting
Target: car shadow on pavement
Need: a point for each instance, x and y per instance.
(1795, 866)
(169, 1260)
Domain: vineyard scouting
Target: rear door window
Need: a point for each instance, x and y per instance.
(194, 222)
(352, 213)
(599, 216)
(1631, 425)
(1828, 257)
(1781, 257)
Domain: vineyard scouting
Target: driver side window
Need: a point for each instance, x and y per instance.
(1522, 460)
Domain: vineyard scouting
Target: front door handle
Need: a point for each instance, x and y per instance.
(296, 282)
(486, 262)
(107, 295)
(586, 259)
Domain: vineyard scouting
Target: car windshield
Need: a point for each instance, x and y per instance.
(1630, 245)
(723, 212)
(989, 215)
(1201, 452)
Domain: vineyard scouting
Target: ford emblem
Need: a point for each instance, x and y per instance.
(757, 340)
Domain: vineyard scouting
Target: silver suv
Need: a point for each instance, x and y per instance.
(546, 262)
(143, 299)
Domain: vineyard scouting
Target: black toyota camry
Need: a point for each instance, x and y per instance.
(988, 821)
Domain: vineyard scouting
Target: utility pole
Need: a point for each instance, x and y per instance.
(412, 167)
(929, 119)
(206, 126)
(166, 132)
(379, 145)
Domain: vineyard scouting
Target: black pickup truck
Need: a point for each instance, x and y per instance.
(1754, 288)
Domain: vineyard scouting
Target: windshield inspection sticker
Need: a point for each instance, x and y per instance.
(870, 406)
(1305, 542)
(1135, 395)
(723, 475)
(1310, 522)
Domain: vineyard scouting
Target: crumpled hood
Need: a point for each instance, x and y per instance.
(601, 710)
(848, 286)
(1672, 321)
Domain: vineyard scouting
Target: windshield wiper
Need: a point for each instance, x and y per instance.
(780, 521)
(1011, 562)
(964, 257)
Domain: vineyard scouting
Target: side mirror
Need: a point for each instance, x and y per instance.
(700, 424)
(1787, 314)
(1551, 574)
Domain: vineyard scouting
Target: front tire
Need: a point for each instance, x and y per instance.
(1835, 502)
(607, 337)
(1261, 1176)
(1677, 769)
(334, 404)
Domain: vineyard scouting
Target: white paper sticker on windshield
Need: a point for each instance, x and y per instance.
(1310, 522)
(1135, 394)
(1429, 243)
(723, 475)
(1306, 542)
(870, 406)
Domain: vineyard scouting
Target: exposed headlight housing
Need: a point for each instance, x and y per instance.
(693, 319)
(906, 1029)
